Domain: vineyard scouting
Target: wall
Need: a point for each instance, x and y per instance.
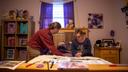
(113, 18)
(33, 6)
(96, 6)
(121, 30)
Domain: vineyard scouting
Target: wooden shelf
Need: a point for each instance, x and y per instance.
(14, 39)
(67, 30)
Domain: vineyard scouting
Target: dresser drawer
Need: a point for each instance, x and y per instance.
(112, 59)
(110, 52)
(105, 55)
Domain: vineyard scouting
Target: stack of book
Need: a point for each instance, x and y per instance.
(22, 41)
(23, 54)
(10, 53)
(11, 41)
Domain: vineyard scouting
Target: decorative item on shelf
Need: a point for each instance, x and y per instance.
(25, 14)
(108, 42)
(70, 25)
(12, 14)
(118, 45)
(31, 18)
(19, 14)
(98, 43)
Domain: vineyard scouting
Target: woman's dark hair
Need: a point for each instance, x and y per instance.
(54, 25)
(81, 31)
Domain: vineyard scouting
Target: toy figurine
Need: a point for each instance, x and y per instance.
(25, 14)
(12, 14)
(70, 25)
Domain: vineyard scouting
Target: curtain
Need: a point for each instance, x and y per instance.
(46, 14)
(68, 12)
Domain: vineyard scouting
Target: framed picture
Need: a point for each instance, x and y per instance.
(95, 20)
(108, 42)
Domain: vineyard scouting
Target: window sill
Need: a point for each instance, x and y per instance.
(66, 30)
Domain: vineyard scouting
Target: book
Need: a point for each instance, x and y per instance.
(10, 64)
(23, 28)
(22, 41)
(11, 28)
(72, 65)
(22, 54)
(10, 53)
(11, 41)
(62, 62)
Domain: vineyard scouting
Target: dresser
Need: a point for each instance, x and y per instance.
(109, 54)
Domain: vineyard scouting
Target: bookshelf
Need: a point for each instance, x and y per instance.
(15, 34)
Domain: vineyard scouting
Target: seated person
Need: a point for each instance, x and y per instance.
(81, 45)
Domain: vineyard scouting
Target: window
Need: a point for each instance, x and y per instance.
(62, 13)
(58, 14)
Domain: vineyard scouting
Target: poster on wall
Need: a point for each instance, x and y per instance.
(126, 17)
(95, 20)
(124, 9)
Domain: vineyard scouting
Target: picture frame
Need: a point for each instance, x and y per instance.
(108, 42)
(95, 21)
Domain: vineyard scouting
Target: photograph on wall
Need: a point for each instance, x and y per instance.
(95, 20)
(126, 22)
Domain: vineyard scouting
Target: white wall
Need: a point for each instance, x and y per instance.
(96, 6)
(33, 6)
(113, 18)
(121, 30)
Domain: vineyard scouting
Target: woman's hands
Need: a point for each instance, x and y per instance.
(78, 54)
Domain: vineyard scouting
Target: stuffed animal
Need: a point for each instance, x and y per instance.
(70, 25)
(25, 14)
(12, 14)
